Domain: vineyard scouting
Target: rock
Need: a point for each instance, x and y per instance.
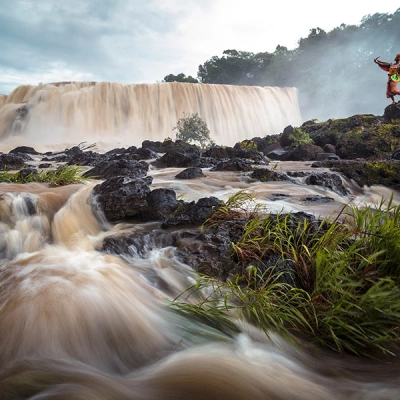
(266, 175)
(279, 154)
(193, 213)
(327, 156)
(329, 148)
(305, 152)
(297, 174)
(24, 149)
(396, 155)
(392, 111)
(145, 154)
(154, 146)
(285, 140)
(87, 158)
(27, 171)
(316, 198)
(235, 164)
(111, 168)
(190, 173)
(9, 162)
(161, 203)
(121, 197)
(327, 180)
(181, 155)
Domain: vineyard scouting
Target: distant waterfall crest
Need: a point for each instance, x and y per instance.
(113, 112)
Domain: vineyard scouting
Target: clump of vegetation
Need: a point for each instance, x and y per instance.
(344, 288)
(192, 129)
(63, 175)
(299, 136)
(248, 145)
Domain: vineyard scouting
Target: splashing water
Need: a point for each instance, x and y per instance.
(78, 323)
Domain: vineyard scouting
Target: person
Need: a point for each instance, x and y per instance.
(393, 70)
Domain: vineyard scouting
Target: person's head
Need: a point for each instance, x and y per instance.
(397, 58)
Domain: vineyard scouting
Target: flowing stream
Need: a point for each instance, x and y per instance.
(76, 323)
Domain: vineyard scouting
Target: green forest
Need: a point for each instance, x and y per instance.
(333, 71)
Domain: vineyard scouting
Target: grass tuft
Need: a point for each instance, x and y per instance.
(63, 175)
(336, 282)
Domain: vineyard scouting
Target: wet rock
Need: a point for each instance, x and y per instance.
(266, 175)
(327, 180)
(145, 154)
(111, 168)
(161, 203)
(297, 174)
(154, 146)
(73, 151)
(278, 196)
(181, 155)
(217, 152)
(121, 197)
(87, 158)
(193, 213)
(327, 156)
(329, 148)
(367, 173)
(27, 171)
(278, 154)
(190, 173)
(316, 198)
(234, 164)
(224, 153)
(24, 149)
(9, 162)
(45, 165)
(285, 140)
(305, 152)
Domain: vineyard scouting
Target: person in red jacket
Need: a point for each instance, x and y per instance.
(393, 70)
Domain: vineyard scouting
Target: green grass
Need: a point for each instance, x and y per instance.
(345, 291)
(63, 175)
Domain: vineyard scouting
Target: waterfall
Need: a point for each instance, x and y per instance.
(128, 114)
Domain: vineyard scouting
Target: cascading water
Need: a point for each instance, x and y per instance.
(129, 114)
(78, 323)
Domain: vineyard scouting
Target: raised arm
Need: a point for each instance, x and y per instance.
(384, 65)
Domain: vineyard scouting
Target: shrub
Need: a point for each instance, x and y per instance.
(299, 136)
(192, 129)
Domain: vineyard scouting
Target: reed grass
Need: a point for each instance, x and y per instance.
(63, 175)
(347, 274)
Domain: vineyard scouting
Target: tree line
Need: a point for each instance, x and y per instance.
(333, 71)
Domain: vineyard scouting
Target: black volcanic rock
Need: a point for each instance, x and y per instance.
(9, 162)
(121, 167)
(190, 173)
(121, 197)
(327, 180)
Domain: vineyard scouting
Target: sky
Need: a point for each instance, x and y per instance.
(142, 41)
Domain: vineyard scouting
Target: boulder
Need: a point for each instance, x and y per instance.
(121, 197)
(327, 180)
(190, 173)
(121, 167)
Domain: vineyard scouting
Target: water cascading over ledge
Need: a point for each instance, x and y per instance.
(108, 112)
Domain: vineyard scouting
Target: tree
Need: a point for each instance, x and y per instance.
(180, 78)
(191, 128)
(235, 68)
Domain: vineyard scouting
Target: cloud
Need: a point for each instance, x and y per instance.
(133, 41)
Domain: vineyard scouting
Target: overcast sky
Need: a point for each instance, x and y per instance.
(141, 41)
